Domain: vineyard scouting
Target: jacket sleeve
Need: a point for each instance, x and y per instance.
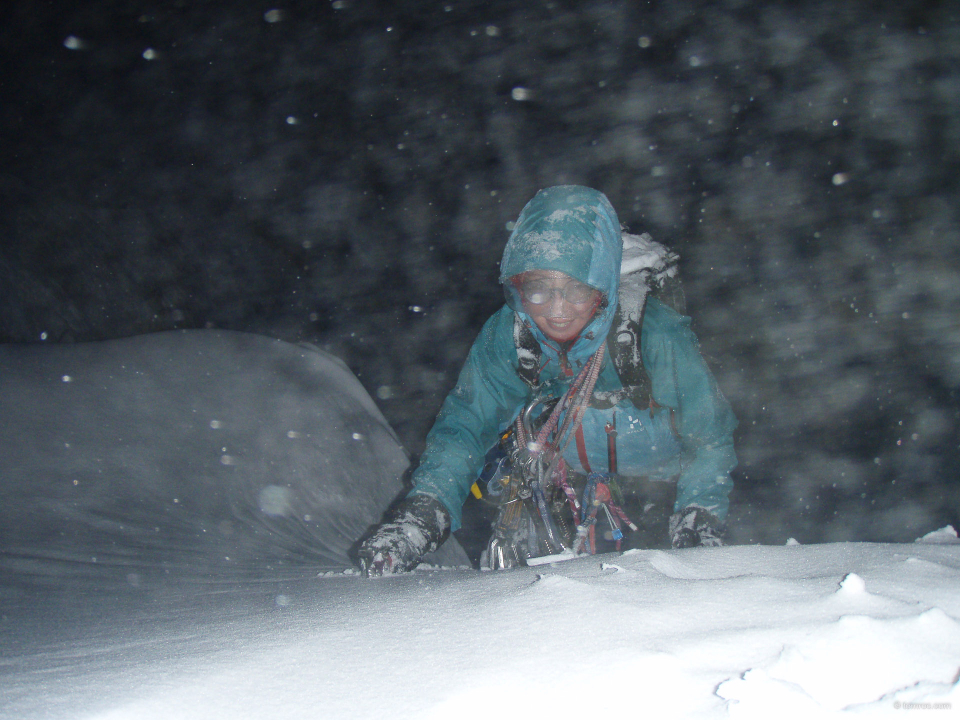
(487, 396)
(705, 422)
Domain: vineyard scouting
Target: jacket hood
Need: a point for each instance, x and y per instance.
(575, 230)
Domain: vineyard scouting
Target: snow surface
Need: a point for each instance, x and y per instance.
(161, 630)
(746, 632)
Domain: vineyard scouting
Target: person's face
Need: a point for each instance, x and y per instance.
(559, 305)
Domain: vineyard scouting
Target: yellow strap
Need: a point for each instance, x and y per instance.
(475, 489)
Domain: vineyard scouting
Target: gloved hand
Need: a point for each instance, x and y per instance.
(693, 526)
(418, 525)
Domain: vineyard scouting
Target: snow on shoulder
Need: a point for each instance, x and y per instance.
(206, 453)
(642, 254)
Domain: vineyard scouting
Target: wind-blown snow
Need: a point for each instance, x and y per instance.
(818, 631)
(197, 452)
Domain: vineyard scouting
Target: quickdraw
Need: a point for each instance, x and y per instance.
(597, 496)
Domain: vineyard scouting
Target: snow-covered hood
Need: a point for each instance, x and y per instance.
(575, 230)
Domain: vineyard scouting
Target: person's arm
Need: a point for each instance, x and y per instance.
(487, 396)
(705, 422)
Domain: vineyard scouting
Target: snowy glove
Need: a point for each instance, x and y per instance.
(694, 526)
(418, 525)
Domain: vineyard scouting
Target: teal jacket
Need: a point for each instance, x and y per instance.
(575, 230)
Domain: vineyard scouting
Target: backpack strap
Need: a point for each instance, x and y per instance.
(623, 341)
(528, 353)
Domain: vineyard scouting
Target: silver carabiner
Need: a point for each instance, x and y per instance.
(526, 419)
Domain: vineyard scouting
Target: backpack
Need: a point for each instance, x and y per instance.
(647, 269)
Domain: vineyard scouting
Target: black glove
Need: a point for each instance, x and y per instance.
(693, 526)
(418, 525)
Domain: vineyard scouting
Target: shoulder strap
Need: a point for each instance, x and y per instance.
(528, 353)
(623, 340)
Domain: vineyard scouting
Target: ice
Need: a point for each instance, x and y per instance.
(142, 578)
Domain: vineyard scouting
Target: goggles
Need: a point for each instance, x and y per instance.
(540, 292)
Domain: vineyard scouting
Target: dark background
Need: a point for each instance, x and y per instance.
(344, 174)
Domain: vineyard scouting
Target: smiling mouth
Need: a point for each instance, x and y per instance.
(559, 324)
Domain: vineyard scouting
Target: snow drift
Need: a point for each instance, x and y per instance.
(199, 453)
(820, 631)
